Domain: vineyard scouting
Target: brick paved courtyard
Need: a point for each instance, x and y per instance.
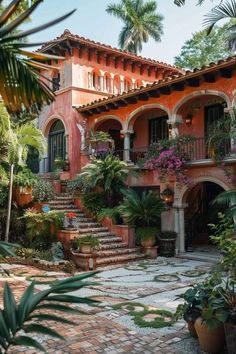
(111, 327)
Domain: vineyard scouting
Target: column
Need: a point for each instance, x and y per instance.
(66, 146)
(112, 83)
(173, 126)
(126, 155)
(181, 231)
(122, 84)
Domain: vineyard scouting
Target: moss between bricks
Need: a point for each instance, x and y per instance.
(164, 319)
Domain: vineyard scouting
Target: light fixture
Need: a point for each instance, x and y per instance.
(188, 119)
(168, 196)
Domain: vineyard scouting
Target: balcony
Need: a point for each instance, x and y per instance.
(196, 150)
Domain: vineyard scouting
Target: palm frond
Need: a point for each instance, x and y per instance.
(225, 10)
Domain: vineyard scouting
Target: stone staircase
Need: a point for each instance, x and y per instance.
(112, 249)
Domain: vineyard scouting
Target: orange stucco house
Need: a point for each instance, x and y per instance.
(139, 102)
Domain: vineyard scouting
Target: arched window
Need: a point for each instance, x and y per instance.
(96, 81)
(127, 84)
(107, 83)
(56, 143)
(117, 88)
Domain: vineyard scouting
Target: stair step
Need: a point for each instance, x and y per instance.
(116, 252)
(119, 259)
(110, 240)
(94, 230)
(61, 202)
(84, 225)
(108, 246)
(67, 206)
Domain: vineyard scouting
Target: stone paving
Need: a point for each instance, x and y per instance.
(114, 326)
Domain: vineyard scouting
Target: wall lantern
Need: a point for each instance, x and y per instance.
(188, 119)
(168, 196)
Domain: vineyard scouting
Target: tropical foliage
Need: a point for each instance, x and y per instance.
(20, 320)
(22, 88)
(141, 21)
(201, 49)
(109, 174)
(43, 191)
(141, 210)
(225, 10)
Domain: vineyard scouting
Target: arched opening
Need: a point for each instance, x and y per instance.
(113, 128)
(138, 83)
(117, 84)
(200, 213)
(201, 115)
(127, 84)
(96, 80)
(107, 83)
(154, 127)
(56, 143)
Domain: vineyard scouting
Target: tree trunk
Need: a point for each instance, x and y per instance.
(9, 203)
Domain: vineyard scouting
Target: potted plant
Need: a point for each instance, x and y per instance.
(147, 236)
(42, 192)
(59, 164)
(167, 243)
(213, 313)
(188, 310)
(229, 295)
(70, 221)
(87, 244)
(142, 211)
(23, 183)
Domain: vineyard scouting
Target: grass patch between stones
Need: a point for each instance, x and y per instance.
(145, 317)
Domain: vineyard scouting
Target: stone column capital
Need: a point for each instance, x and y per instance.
(127, 132)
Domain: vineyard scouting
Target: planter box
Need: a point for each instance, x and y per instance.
(84, 261)
(66, 236)
(126, 232)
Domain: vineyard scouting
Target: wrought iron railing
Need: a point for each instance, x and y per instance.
(193, 150)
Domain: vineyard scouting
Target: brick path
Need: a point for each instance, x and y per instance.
(93, 333)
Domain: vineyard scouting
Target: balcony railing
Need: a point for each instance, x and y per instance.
(194, 150)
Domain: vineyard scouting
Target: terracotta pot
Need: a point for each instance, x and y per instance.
(85, 248)
(211, 341)
(192, 329)
(23, 195)
(148, 243)
(230, 334)
(57, 186)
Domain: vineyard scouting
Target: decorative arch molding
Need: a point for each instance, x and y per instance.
(181, 195)
(201, 93)
(107, 117)
(234, 101)
(49, 122)
(142, 109)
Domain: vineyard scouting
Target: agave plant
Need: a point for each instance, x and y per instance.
(21, 87)
(26, 316)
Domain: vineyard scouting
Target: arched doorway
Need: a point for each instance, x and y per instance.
(200, 213)
(56, 143)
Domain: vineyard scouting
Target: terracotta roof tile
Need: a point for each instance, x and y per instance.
(68, 35)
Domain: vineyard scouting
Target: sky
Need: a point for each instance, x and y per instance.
(91, 21)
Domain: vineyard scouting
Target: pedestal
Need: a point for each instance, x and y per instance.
(150, 252)
(84, 261)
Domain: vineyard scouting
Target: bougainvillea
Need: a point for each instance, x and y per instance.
(169, 163)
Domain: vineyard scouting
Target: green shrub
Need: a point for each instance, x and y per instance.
(25, 178)
(43, 191)
(94, 202)
(88, 239)
(145, 233)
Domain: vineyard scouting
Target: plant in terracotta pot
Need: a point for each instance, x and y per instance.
(142, 211)
(188, 310)
(87, 244)
(228, 292)
(23, 182)
(147, 236)
(59, 164)
(166, 242)
(213, 313)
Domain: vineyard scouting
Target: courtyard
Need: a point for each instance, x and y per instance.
(126, 319)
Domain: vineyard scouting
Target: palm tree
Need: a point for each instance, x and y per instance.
(20, 139)
(21, 87)
(228, 199)
(140, 22)
(225, 10)
(182, 2)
